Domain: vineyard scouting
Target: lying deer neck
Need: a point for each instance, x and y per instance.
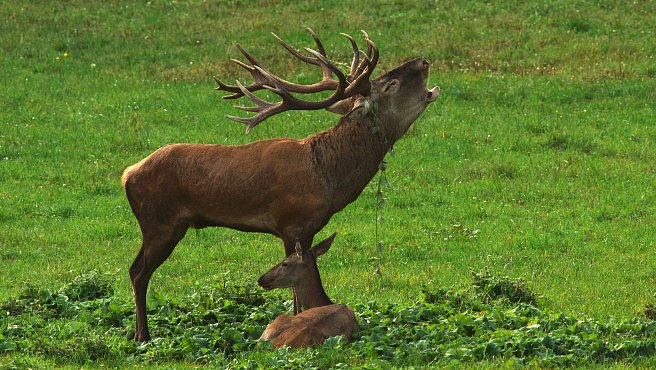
(311, 293)
(348, 155)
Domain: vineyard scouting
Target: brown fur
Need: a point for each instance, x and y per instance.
(311, 327)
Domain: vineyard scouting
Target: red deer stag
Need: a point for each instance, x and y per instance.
(285, 187)
(321, 318)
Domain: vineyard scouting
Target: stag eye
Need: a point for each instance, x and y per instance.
(284, 264)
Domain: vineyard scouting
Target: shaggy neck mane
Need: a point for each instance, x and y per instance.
(348, 156)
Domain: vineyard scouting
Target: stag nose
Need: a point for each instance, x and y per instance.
(425, 64)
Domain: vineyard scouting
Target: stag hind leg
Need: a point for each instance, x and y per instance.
(156, 247)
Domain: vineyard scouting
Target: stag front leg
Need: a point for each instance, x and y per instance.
(290, 248)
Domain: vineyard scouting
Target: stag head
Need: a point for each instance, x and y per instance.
(393, 100)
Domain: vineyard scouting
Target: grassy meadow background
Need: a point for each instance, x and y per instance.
(537, 161)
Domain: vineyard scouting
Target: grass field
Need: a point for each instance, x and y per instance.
(537, 161)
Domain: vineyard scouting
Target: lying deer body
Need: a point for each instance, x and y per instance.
(285, 187)
(321, 318)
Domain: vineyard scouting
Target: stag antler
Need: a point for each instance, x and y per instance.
(357, 82)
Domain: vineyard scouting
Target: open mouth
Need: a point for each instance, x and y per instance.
(433, 94)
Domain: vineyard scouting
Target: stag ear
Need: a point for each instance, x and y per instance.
(299, 250)
(323, 246)
(361, 108)
(391, 86)
(342, 107)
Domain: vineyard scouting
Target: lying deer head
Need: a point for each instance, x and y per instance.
(299, 270)
(321, 318)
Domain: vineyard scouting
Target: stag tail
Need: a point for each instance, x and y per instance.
(124, 177)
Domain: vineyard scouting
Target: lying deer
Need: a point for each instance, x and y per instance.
(285, 187)
(321, 318)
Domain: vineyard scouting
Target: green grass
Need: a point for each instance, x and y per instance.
(537, 161)
(493, 321)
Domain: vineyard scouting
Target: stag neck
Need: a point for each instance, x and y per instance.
(311, 293)
(348, 156)
(365, 134)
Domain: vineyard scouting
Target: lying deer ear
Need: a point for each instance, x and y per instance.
(299, 250)
(323, 246)
(361, 108)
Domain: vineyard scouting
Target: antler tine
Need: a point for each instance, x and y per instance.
(371, 57)
(366, 37)
(248, 55)
(314, 61)
(254, 98)
(326, 63)
(235, 90)
(260, 79)
(322, 51)
(261, 106)
(228, 88)
(361, 83)
(373, 54)
(356, 57)
(293, 51)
